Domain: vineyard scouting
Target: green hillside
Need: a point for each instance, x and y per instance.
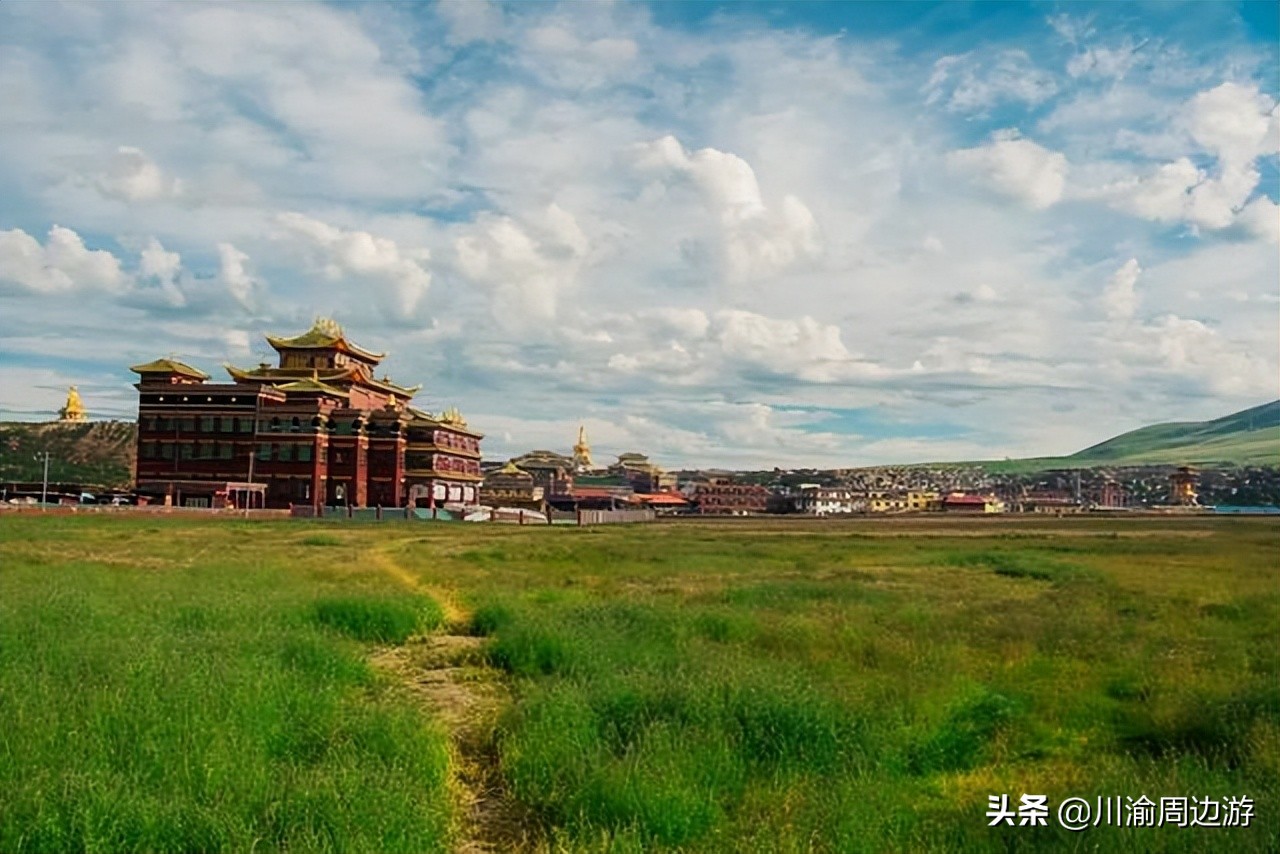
(1251, 436)
(1248, 437)
(94, 452)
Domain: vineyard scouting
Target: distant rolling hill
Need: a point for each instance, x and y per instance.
(1248, 437)
(99, 453)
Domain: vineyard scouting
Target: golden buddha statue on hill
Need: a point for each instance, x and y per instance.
(73, 410)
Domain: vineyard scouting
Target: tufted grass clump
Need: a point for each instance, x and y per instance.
(385, 619)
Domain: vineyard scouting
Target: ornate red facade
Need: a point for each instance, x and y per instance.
(318, 428)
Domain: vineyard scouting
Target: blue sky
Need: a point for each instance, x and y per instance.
(724, 234)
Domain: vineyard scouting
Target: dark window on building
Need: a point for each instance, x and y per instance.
(275, 425)
(264, 452)
(186, 452)
(285, 453)
(227, 424)
(206, 424)
(224, 450)
(149, 450)
(166, 451)
(295, 425)
(304, 453)
(188, 425)
(244, 425)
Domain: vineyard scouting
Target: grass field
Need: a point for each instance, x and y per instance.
(199, 684)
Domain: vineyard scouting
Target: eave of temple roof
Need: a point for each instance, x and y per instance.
(348, 375)
(169, 366)
(311, 386)
(444, 475)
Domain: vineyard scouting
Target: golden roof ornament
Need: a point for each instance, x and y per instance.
(73, 410)
(327, 326)
(453, 416)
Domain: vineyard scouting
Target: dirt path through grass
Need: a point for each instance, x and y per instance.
(448, 675)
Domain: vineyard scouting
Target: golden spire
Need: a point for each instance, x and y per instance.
(582, 450)
(74, 408)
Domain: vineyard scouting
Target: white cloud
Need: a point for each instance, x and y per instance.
(804, 348)
(1261, 217)
(62, 264)
(471, 20)
(233, 273)
(1015, 167)
(757, 240)
(1119, 299)
(164, 267)
(134, 177)
(1235, 123)
(557, 54)
(972, 83)
(339, 253)
(526, 266)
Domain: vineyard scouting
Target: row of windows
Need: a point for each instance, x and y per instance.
(224, 451)
(441, 462)
(189, 424)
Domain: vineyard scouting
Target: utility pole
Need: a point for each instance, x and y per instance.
(44, 486)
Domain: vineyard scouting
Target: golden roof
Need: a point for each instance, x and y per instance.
(169, 366)
(311, 385)
(325, 333)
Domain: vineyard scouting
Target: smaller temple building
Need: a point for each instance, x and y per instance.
(316, 429)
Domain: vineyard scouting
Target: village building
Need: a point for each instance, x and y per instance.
(923, 500)
(828, 500)
(959, 502)
(316, 429)
(643, 475)
(551, 471)
(881, 501)
(511, 486)
(723, 496)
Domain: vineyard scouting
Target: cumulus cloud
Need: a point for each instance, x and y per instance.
(1014, 167)
(1119, 299)
(163, 267)
(757, 240)
(1235, 125)
(804, 348)
(339, 253)
(134, 177)
(525, 266)
(233, 273)
(973, 83)
(1189, 348)
(62, 264)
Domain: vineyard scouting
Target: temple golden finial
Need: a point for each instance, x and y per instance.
(582, 450)
(453, 416)
(73, 410)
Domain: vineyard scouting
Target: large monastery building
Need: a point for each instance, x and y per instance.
(317, 429)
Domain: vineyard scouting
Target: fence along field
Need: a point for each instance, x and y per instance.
(179, 684)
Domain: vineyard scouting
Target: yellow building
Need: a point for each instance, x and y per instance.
(886, 502)
(921, 500)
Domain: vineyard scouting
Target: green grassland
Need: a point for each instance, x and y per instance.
(183, 684)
